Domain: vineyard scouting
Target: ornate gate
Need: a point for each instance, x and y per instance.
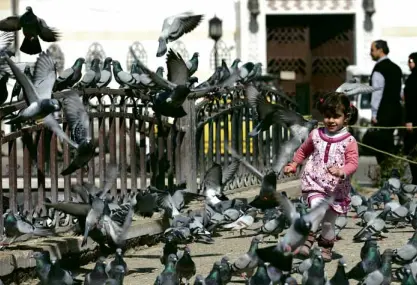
(318, 56)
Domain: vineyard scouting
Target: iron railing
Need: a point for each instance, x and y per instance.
(128, 135)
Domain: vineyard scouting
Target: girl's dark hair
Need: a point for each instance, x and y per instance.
(331, 103)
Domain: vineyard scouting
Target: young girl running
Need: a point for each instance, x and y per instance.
(332, 157)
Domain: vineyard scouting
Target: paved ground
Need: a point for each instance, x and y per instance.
(144, 264)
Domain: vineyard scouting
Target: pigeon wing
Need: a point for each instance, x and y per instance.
(10, 24)
(46, 33)
(155, 77)
(245, 163)
(230, 171)
(44, 76)
(30, 90)
(6, 39)
(288, 207)
(289, 117)
(178, 72)
(65, 74)
(257, 100)
(213, 177)
(53, 125)
(188, 23)
(111, 176)
(74, 111)
(317, 211)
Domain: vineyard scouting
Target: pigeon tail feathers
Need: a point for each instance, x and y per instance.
(31, 46)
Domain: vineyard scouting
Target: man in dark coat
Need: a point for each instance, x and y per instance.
(386, 102)
(410, 100)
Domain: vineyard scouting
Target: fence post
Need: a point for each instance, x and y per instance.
(188, 167)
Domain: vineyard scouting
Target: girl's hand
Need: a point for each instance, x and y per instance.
(290, 168)
(336, 171)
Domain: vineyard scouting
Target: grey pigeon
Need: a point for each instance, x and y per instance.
(247, 262)
(185, 266)
(146, 203)
(199, 280)
(16, 226)
(315, 274)
(225, 270)
(299, 129)
(407, 252)
(216, 178)
(383, 274)
(266, 111)
(175, 27)
(351, 89)
(4, 93)
(340, 276)
(58, 276)
(92, 76)
(280, 255)
(119, 274)
(300, 225)
(39, 90)
(306, 263)
(169, 275)
(32, 27)
(105, 74)
(118, 230)
(118, 261)
(79, 124)
(70, 76)
(214, 276)
(192, 64)
(99, 203)
(122, 77)
(39, 93)
(98, 275)
(43, 265)
(260, 277)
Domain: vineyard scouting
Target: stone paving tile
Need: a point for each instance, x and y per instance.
(144, 264)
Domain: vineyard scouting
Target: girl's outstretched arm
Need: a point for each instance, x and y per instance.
(304, 150)
(351, 158)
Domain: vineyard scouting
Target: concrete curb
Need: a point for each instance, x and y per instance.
(19, 255)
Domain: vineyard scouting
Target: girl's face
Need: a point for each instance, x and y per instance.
(334, 121)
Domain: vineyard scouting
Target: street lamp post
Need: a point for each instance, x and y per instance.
(369, 8)
(253, 7)
(15, 12)
(215, 33)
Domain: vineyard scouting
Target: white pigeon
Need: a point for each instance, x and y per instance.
(175, 27)
(350, 89)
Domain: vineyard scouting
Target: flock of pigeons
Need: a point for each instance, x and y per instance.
(106, 219)
(271, 213)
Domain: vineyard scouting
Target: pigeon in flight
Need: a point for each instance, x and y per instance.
(350, 89)
(79, 125)
(38, 94)
(175, 27)
(32, 27)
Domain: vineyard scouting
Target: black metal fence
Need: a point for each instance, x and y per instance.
(147, 153)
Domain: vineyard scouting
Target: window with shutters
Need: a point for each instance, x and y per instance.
(94, 51)
(139, 52)
(180, 48)
(223, 52)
